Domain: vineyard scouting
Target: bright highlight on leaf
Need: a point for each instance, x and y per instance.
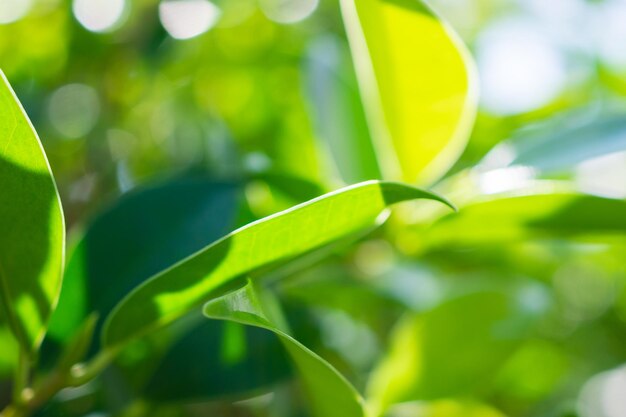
(330, 394)
(32, 232)
(417, 82)
(218, 267)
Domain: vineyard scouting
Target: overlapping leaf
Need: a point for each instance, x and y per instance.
(330, 394)
(278, 238)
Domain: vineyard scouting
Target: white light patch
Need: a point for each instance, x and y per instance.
(520, 69)
(13, 10)
(603, 395)
(605, 175)
(609, 29)
(288, 11)
(186, 19)
(99, 15)
(505, 179)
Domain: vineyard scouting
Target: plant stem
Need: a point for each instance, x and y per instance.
(22, 373)
(25, 405)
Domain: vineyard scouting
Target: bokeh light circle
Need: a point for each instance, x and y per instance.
(186, 19)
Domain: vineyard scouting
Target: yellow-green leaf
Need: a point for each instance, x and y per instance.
(418, 84)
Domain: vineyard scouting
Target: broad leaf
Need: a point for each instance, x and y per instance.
(418, 83)
(32, 231)
(330, 394)
(514, 218)
(202, 276)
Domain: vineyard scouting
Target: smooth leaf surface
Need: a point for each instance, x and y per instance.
(200, 277)
(330, 394)
(418, 83)
(514, 218)
(32, 231)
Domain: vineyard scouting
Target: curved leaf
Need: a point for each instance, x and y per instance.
(200, 277)
(32, 232)
(418, 83)
(330, 394)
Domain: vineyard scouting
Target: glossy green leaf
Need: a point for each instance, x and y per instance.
(454, 349)
(514, 218)
(278, 238)
(32, 231)
(418, 83)
(330, 394)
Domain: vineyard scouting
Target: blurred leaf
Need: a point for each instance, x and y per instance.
(218, 267)
(418, 83)
(454, 349)
(330, 394)
(549, 216)
(9, 356)
(338, 111)
(559, 148)
(32, 233)
(445, 408)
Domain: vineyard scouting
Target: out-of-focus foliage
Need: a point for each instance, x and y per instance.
(170, 123)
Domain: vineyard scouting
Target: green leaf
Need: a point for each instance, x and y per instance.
(418, 83)
(32, 232)
(454, 349)
(330, 394)
(515, 218)
(277, 238)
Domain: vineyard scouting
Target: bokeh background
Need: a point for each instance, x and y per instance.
(128, 93)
